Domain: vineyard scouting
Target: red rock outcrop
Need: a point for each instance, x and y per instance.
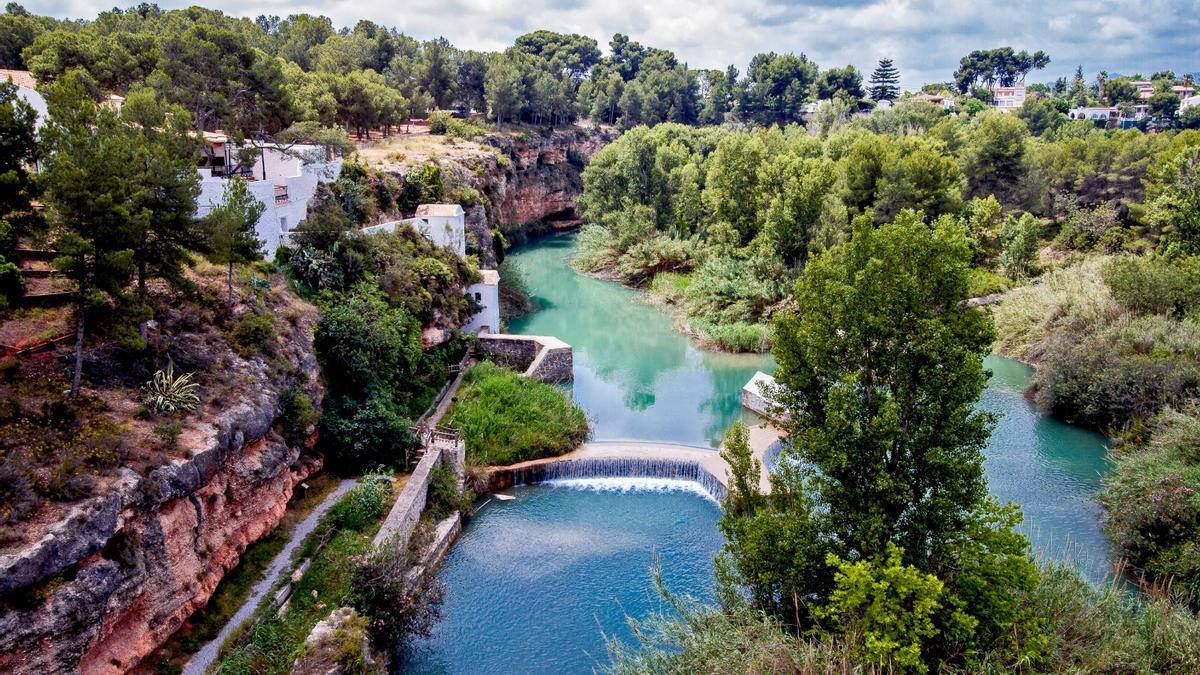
(116, 576)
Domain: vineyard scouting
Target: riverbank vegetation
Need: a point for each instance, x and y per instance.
(877, 546)
(508, 418)
(721, 222)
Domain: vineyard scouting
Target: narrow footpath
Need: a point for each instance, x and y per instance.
(204, 658)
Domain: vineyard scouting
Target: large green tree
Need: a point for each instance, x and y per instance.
(88, 180)
(885, 81)
(230, 229)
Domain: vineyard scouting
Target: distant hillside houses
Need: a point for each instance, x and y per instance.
(1008, 99)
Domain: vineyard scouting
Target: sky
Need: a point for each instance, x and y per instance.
(925, 38)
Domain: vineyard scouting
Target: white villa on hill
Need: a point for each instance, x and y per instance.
(284, 182)
(445, 225)
(1007, 99)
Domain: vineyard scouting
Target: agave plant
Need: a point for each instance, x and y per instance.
(169, 393)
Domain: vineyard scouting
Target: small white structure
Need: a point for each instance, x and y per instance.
(1095, 114)
(1189, 102)
(487, 294)
(27, 90)
(445, 225)
(284, 182)
(1007, 99)
(756, 397)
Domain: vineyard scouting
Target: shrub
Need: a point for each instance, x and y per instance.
(986, 282)
(738, 336)
(299, 415)
(889, 604)
(439, 122)
(508, 418)
(1018, 245)
(168, 392)
(1154, 285)
(254, 332)
(12, 285)
(400, 596)
(361, 434)
(515, 300)
(363, 505)
(168, 433)
(444, 496)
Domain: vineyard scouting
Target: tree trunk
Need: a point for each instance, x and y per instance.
(78, 374)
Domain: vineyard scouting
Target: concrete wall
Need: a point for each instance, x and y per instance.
(756, 396)
(408, 507)
(544, 358)
(448, 231)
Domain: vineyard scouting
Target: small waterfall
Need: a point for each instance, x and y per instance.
(623, 467)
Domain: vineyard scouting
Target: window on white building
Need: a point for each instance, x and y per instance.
(283, 224)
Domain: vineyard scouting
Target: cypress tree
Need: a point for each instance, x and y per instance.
(885, 81)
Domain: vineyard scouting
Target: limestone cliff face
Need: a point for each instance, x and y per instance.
(532, 179)
(115, 577)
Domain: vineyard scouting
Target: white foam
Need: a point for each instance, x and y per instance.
(632, 484)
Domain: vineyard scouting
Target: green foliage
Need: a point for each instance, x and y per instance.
(983, 282)
(445, 498)
(168, 392)
(1154, 285)
(298, 414)
(362, 506)
(399, 595)
(1019, 245)
(168, 433)
(890, 604)
(508, 418)
(738, 336)
(1176, 200)
(254, 332)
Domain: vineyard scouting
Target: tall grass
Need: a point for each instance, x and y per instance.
(508, 418)
(1067, 303)
(738, 336)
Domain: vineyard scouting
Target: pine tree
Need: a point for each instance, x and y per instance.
(230, 228)
(885, 81)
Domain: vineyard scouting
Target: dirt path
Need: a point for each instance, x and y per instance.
(280, 564)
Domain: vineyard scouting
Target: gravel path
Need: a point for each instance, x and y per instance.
(204, 658)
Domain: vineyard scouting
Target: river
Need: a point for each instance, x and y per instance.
(637, 378)
(535, 583)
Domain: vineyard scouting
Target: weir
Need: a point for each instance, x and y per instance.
(624, 467)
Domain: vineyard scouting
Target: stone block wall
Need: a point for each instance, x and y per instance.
(543, 358)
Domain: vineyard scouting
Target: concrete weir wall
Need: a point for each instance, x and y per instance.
(543, 358)
(532, 474)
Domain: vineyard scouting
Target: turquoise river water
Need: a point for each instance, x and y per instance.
(535, 583)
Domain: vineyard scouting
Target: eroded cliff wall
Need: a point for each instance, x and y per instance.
(113, 579)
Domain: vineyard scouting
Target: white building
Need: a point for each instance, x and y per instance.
(946, 102)
(284, 182)
(1189, 102)
(1007, 99)
(445, 225)
(27, 90)
(1095, 114)
(487, 294)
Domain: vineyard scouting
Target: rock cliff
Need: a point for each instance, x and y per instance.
(531, 183)
(115, 575)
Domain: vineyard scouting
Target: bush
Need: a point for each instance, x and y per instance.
(398, 605)
(254, 332)
(738, 336)
(12, 285)
(168, 392)
(358, 434)
(1154, 285)
(445, 497)
(168, 433)
(363, 505)
(986, 282)
(439, 122)
(508, 418)
(889, 604)
(1019, 245)
(299, 415)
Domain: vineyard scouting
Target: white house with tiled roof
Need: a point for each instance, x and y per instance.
(27, 90)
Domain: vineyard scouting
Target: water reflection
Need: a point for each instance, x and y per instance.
(634, 374)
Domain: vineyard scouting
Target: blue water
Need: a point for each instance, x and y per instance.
(536, 582)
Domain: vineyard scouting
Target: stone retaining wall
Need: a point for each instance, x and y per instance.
(411, 502)
(543, 358)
